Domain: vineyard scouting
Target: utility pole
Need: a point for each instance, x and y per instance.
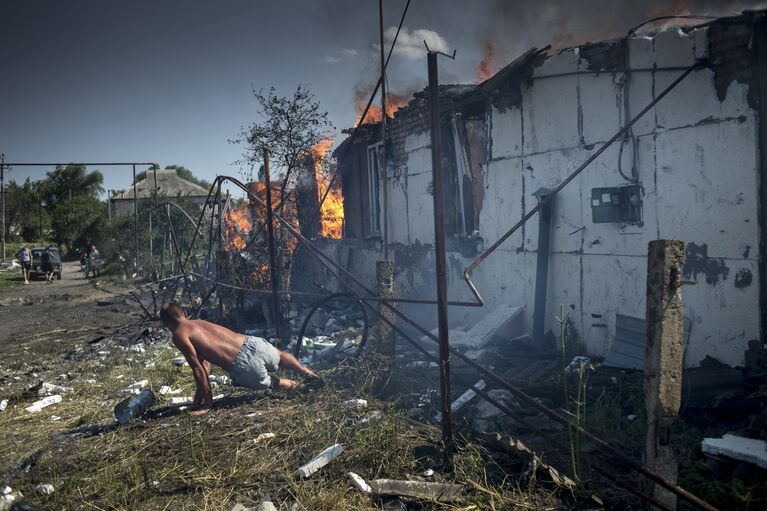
(135, 219)
(384, 176)
(439, 246)
(2, 196)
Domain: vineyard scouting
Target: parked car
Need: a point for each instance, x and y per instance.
(37, 254)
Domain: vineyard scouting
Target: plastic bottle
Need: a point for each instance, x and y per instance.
(132, 407)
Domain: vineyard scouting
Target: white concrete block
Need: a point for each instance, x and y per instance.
(707, 193)
(565, 61)
(700, 42)
(506, 132)
(550, 109)
(674, 48)
(601, 106)
(320, 460)
(738, 448)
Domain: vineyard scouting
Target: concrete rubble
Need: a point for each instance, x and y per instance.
(738, 448)
(319, 461)
(42, 403)
(44, 489)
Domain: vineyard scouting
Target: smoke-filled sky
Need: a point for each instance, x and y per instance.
(170, 81)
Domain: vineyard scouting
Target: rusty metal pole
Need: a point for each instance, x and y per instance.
(135, 218)
(272, 251)
(439, 246)
(664, 360)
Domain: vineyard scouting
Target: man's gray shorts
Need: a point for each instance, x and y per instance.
(256, 359)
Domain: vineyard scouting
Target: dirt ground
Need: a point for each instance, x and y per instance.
(84, 340)
(67, 306)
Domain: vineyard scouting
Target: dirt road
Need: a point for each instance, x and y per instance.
(67, 305)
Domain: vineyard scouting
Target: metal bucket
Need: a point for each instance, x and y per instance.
(133, 407)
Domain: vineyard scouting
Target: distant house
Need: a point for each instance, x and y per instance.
(168, 184)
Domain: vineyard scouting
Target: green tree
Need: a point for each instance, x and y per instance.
(288, 127)
(64, 183)
(77, 220)
(21, 210)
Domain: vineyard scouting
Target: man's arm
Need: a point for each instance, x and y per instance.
(203, 394)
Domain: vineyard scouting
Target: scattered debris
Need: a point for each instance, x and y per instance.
(135, 388)
(416, 489)
(320, 460)
(262, 437)
(462, 400)
(178, 361)
(738, 448)
(130, 408)
(3, 404)
(48, 389)
(360, 483)
(428, 472)
(356, 403)
(44, 489)
(537, 467)
(502, 324)
(46, 401)
(168, 390)
(181, 400)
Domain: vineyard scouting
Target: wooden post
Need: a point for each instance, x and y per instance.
(664, 360)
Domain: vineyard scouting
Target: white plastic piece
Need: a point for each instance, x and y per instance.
(320, 460)
(356, 403)
(44, 489)
(3, 404)
(138, 385)
(262, 437)
(360, 483)
(46, 401)
(181, 400)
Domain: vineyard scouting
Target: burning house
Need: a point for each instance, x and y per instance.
(690, 169)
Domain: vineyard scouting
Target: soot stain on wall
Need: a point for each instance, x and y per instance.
(698, 263)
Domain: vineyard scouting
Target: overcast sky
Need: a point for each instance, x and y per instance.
(170, 81)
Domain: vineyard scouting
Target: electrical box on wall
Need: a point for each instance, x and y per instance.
(621, 204)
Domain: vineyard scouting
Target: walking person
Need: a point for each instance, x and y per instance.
(25, 258)
(93, 260)
(247, 359)
(46, 263)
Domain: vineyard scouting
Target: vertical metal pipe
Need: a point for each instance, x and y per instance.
(439, 245)
(135, 218)
(542, 265)
(151, 247)
(2, 196)
(272, 252)
(384, 177)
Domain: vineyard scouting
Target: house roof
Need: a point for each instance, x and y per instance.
(168, 183)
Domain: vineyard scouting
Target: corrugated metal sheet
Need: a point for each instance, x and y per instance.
(627, 350)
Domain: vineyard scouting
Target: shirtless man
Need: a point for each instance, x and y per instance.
(247, 359)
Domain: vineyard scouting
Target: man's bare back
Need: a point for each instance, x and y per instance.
(248, 360)
(214, 343)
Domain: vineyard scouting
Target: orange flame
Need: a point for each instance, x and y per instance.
(393, 103)
(332, 210)
(237, 226)
(486, 67)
